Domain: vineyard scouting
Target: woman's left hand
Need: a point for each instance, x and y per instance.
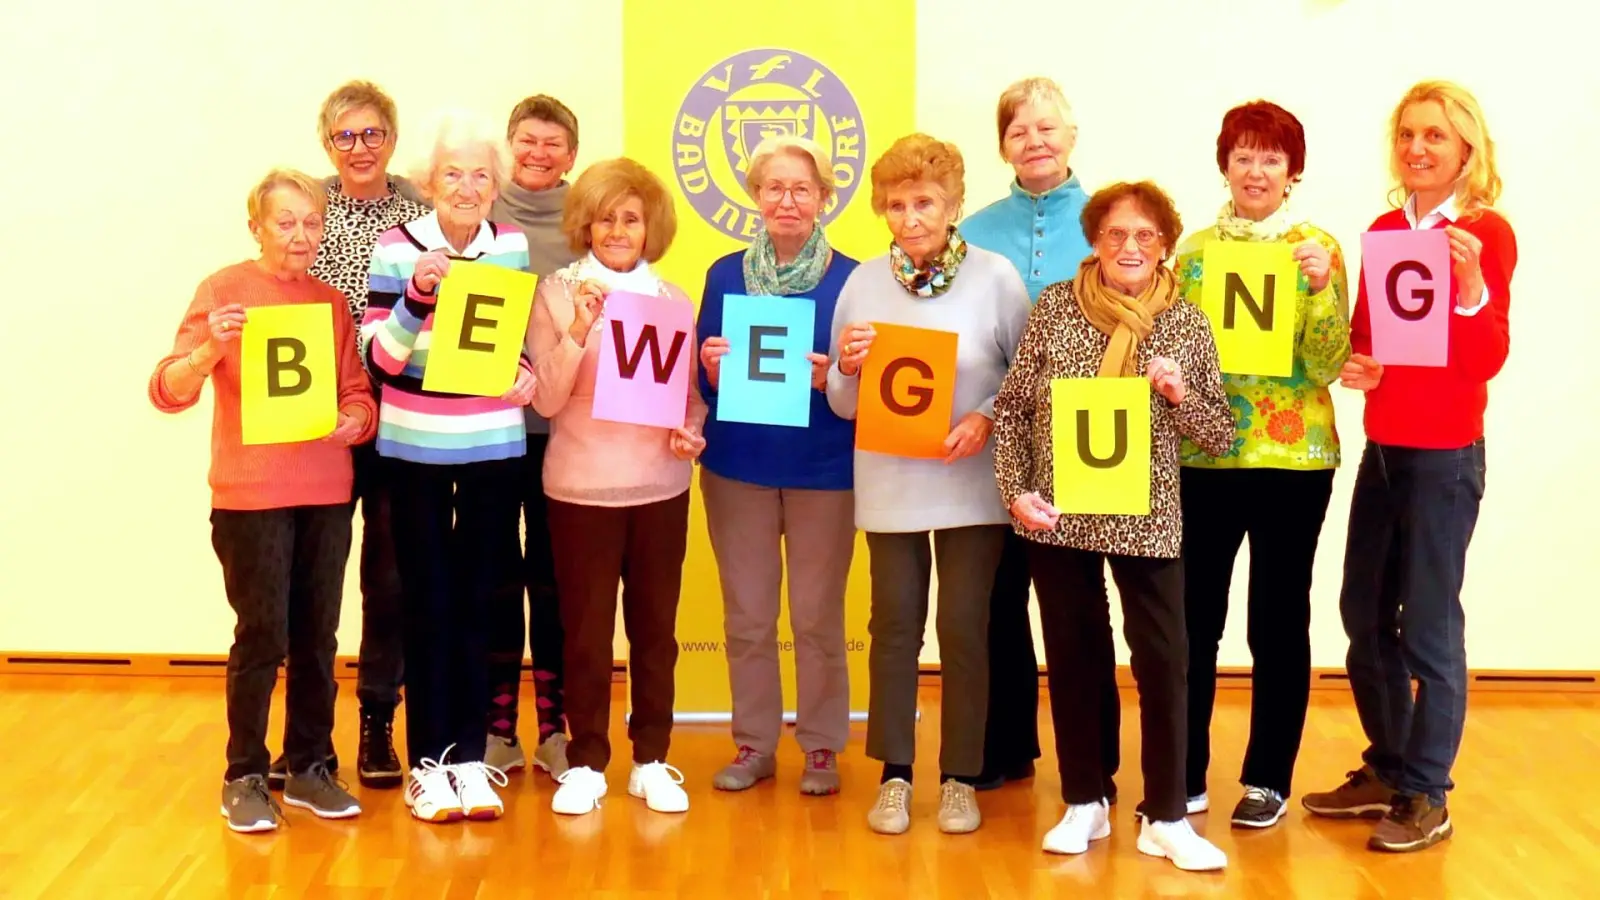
(968, 437)
(345, 433)
(521, 393)
(819, 370)
(1167, 378)
(686, 443)
(1465, 252)
(1315, 263)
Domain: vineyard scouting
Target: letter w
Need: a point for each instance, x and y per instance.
(628, 363)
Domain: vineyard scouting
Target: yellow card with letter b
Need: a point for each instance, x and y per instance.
(479, 326)
(1100, 438)
(288, 377)
(1250, 292)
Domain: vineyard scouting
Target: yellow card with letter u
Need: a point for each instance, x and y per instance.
(479, 326)
(1250, 292)
(1100, 438)
(288, 377)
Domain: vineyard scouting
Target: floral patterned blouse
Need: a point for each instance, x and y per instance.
(1282, 423)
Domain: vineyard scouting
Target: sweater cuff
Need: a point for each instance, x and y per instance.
(1483, 300)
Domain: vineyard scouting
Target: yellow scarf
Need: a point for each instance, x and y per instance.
(1128, 320)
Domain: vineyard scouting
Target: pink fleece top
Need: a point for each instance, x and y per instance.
(589, 461)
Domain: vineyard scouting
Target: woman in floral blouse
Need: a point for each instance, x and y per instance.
(1274, 482)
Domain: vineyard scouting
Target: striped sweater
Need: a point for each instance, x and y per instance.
(414, 424)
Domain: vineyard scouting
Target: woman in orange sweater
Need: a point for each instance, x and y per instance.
(280, 513)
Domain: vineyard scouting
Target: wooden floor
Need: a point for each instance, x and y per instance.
(110, 789)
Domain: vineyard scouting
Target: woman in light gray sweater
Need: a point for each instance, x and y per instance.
(930, 279)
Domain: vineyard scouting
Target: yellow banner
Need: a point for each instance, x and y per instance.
(479, 327)
(1249, 292)
(1100, 438)
(288, 380)
(693, 111)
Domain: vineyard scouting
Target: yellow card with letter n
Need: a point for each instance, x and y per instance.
(1100, 438)
(479, 326)
(288, 379)
(1250, 293)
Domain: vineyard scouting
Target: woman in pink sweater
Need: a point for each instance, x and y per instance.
(619, 493)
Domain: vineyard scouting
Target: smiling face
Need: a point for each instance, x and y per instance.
(1258, 179)
(542, 154)
(1429, 151)
(919, 217)
(1129, 247)
(361, 167)
(289, 231)
(463, 187)
(617, 235)
(1037, 144)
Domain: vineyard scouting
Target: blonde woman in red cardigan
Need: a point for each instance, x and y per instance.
(1421, 480)
(280, 513)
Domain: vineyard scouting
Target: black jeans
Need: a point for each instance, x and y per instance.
(283, 570)
(455, 529)
(1076, 617)
(1411, 521)
(541, 625)
(381, 669)
(1011, 738)
(1282, 512)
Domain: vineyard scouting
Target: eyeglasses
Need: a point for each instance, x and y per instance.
(346, 140)
(1116, 237)
(773, 193)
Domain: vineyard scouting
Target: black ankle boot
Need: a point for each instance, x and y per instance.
(376, 764)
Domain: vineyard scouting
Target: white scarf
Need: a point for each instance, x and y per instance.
(1272, 228)
(641, 280)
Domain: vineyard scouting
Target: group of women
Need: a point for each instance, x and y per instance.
(1048, 282)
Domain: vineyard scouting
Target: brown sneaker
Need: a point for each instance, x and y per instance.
(1413, 823)
(1362, 796)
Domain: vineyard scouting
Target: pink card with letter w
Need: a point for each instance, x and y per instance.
(1407, 276)
(646, 345)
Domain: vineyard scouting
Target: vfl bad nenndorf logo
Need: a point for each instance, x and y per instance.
(744, 99)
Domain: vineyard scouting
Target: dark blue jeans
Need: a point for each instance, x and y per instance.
(1411, 520)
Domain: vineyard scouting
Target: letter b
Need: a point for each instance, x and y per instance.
(922, 395)
(1425, 294)
(277, 366)
(1119, 450)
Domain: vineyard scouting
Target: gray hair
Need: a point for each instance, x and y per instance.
(458, 130)
(794, 145)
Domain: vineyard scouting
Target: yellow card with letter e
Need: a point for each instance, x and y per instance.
(1100, 438)
(288, 379)
(479, 326)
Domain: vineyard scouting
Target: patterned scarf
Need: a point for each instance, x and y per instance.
(1128, 320)
(764, 276)
(934, 278)
(1272, 228)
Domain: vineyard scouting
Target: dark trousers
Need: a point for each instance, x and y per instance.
(283, 570)
(1075, 615)
(455, 529)
(1411, 520)
(1281, 511)
(1011, 738)
(643, 547)
(381, 666)
(542, 624)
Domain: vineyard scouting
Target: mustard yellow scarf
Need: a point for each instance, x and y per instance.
(1128, 320)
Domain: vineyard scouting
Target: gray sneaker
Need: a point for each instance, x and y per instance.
(892, 813)
(958, 808)
(248, 805)
(747, 768)
(504, 754)
(551, 755)
(821, 776)
(316, 790)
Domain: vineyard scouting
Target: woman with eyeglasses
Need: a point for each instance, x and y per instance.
(779, 496)
(1120, 317)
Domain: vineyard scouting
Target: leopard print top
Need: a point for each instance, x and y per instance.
(1060, 343)
(350, 232)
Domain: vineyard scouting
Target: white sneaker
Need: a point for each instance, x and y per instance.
(1084, 822)
(478, 798)
(1196, 805)
(658, 784)
(1178, 842)
(958, 808)
(430, 794)
(552, 755)
(892, 813)
(580, 792)
(504, 754)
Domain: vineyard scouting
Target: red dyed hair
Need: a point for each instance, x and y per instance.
(1266, 126)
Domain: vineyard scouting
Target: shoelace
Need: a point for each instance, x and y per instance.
(820, 759)
(1403, 809)
(258, 791)
(490, 772)
(955, 798)
(319, 771)
(649, 769)
(892, 796)
(1356, 779)
(745, 755)
(381, 736)
(1260, 795)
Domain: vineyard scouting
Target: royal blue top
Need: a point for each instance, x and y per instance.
(820, 457)
(1041, 234)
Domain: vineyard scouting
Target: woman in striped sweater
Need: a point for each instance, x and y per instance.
(453, 466)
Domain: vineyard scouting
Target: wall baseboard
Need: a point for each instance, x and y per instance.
(1228, 678)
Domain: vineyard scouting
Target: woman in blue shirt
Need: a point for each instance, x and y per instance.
(772, 485)
(1036, 226)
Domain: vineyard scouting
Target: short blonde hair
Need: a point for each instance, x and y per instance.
(1479, 186)
(792, 145)
(1021, 93)
(256, 203)
(606, 184)
(456, 131)
(919, 157)
(357, 95)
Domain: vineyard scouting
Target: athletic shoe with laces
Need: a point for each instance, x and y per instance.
(479, 801)
(377, 766)
(317, 790)
(1177, 841)
(551, 755)
(892, 813)
(659, 786)
(1082, 823)
(1259, 808)
(580, 792)
(821, 776)
(248, 806)
(431, 793)
(958, 808)
(748, 768)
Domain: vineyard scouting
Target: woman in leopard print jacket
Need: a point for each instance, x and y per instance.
(1121, 317)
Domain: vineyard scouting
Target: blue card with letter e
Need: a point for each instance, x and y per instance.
(766, 378)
